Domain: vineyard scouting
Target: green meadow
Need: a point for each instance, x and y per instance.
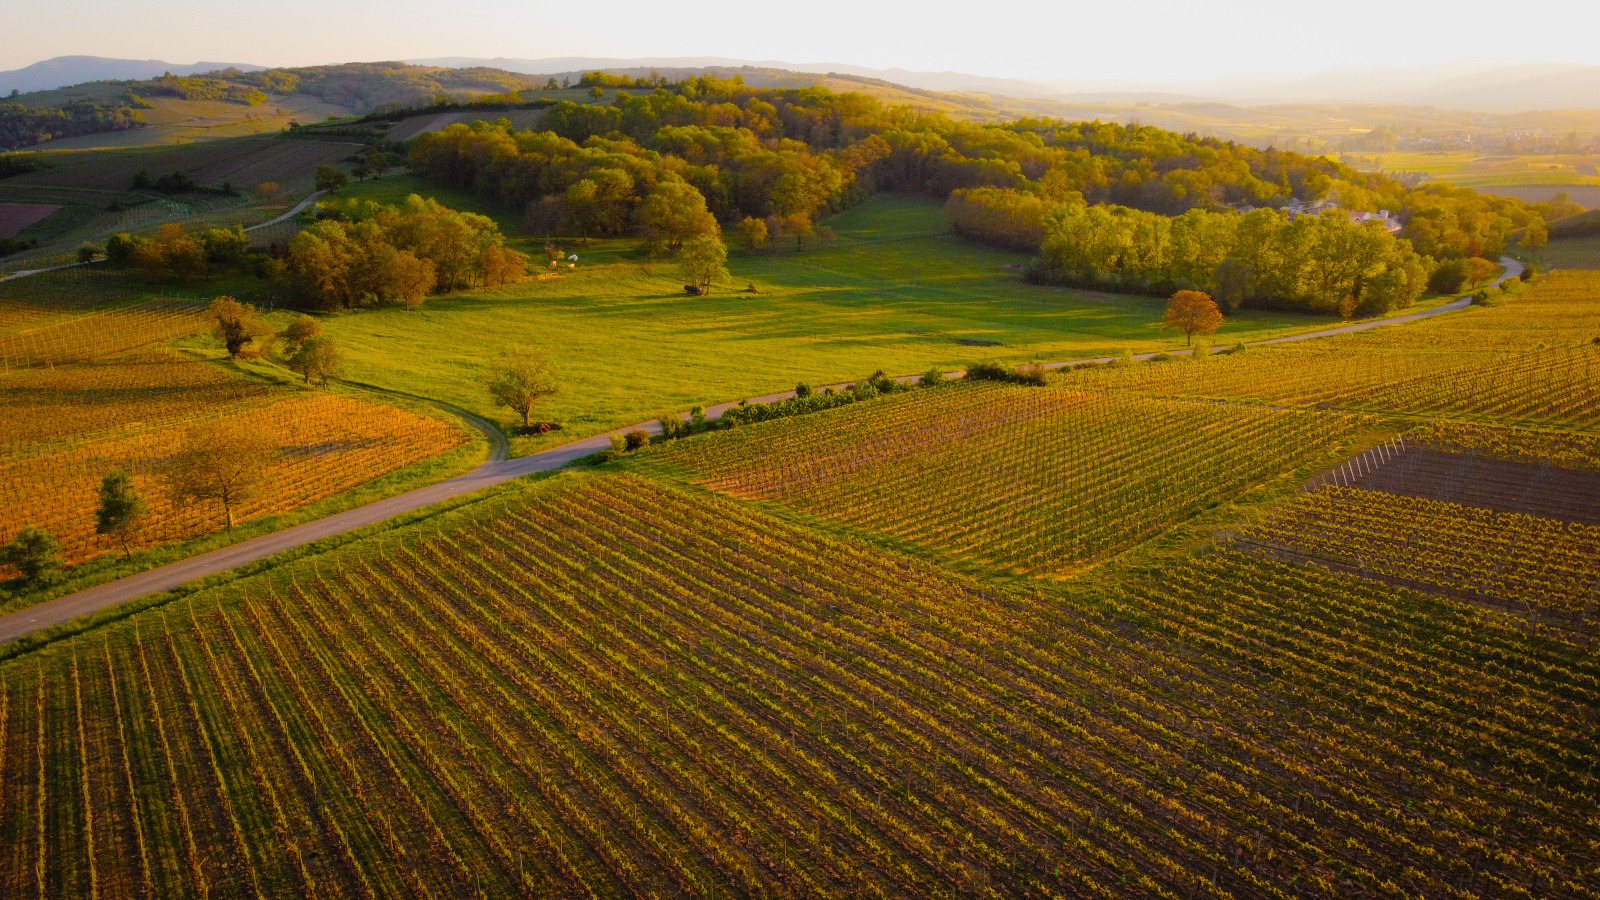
(895, 290)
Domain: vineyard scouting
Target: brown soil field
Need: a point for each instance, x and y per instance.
(16, 216)
(1554, 492)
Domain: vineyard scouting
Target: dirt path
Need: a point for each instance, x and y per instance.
(496, 471)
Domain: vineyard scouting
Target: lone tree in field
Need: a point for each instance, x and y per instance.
(316, 360)
(703, 261)
(1192, 312)
(121, 510)
(237, 326)
(299, 331)
(330, 179)
(32, 552)
(218, 464)
(519, 379)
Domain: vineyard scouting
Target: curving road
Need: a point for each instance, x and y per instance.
(283, 218)
(496, 471)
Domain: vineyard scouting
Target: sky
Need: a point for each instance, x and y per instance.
(1102, 40)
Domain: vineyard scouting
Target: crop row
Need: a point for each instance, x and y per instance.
(604, 687)
(101, 333)
(1038, 480)
(1462, 549)
(1528, 359)
(113, 397)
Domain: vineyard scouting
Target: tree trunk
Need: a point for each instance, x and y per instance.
(228, 511)
(525, 414)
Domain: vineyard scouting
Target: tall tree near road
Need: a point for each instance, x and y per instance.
(519, 379)
(1192, 312)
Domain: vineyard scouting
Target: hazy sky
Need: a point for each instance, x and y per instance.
(1099, 39)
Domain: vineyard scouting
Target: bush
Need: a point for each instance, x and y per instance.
(1030, 375)
(1481, 298)
(619, 443)
(1126, 358)
(882, 383)
(32, 552)
(1450, 276)
(1528, 272)
(673, 427)
(988, 371)
(1161, 357)
(635, 439)
(802, 390)
(932, 377)
(697, 417)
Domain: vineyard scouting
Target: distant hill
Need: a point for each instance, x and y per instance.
(928, 81)
(1474, 87)
(69, 70)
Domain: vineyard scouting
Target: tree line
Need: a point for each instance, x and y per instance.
(1126, 207)
(1265, 258)
(364, 253)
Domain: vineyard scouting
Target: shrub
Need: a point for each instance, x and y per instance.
(1528, 273)
(933, 376)
(1127, 358)
(697, 417)
(988, 371)
(1030, 375)
(1450, 276)
(635, 439)
(673, 427)
(1161, 357)
(802, 390)
(619, 443)
(882, 383)
(32, 552)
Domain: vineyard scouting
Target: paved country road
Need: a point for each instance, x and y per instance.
(496, 471)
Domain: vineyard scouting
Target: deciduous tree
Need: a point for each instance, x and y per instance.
(703, 261)
(238, 326)
(219, 464)
(32, 552)
(330, 179)
(122, 511)
(519, 379)
(316, 360)
(302, 329)
(1192, 312)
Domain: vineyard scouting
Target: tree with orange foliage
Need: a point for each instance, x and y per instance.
(1192, 312)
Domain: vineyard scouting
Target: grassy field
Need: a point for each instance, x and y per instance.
(896, 291)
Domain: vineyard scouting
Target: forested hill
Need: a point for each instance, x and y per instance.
(28, 120)
(1116, 206)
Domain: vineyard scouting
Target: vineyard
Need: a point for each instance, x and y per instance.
(603, 687)
(1563, 448)
(101, 332)
(327, 444)
(1038, 480)
(1530, 359)
(1505, 558)
(243, 161)
(62, 429)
